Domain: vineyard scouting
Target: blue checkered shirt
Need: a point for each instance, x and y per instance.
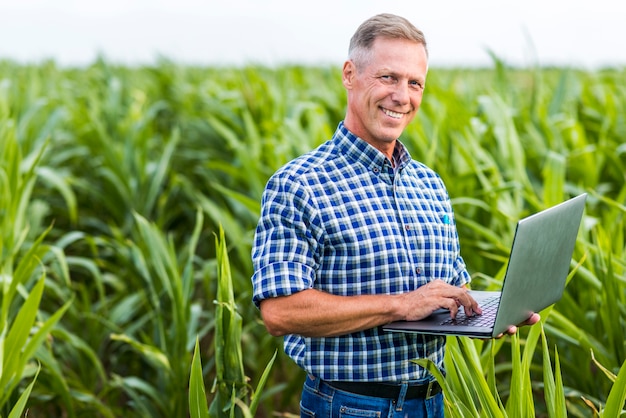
(342, 220)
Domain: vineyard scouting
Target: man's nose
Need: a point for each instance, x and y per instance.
(401, 93)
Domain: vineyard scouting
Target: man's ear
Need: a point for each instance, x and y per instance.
(348, 73)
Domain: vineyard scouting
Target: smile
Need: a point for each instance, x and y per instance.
(392, 114)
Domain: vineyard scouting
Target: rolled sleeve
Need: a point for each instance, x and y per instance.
(284, 252)
(281, 279)
(462, 276)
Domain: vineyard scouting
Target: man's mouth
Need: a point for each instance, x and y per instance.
(392, 114)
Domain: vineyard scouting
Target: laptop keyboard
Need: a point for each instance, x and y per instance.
(486, 319)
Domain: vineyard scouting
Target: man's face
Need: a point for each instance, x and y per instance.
(384, 95)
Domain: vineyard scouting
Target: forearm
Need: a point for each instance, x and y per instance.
(313, 313)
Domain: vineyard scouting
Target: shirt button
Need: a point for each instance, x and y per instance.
(418, 271)
(407, 227)
(375, 170)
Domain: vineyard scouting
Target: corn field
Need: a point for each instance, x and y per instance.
(129, 198)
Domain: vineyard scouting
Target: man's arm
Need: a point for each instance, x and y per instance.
(314, 313)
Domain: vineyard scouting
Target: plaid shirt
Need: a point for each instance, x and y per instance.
(340, 219)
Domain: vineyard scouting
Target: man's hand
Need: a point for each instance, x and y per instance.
(534, 318)
(434, 295)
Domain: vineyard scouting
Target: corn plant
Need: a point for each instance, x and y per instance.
(469, 388)
(231, 390)
(23, 329)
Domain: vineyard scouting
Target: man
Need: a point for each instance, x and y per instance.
(356, 234)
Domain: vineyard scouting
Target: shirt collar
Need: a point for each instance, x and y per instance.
(356, 149)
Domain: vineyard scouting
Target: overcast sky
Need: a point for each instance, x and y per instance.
(586, 34)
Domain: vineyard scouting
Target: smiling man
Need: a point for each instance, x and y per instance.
(356, 234)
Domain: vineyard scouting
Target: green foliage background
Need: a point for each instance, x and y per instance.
(115, 182)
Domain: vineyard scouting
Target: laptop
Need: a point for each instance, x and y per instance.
(535, 277)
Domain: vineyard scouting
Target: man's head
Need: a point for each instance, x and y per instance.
(385, 76)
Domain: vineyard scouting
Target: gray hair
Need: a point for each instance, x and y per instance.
(384, 25)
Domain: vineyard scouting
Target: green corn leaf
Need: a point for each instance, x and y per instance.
(198, 407)
(559, 396)
(146, 397)
(160, 175)
(612, 377)
(43, 330)
(256, 397)
(515, 405)
(463, 388)
(187, 275)
(56, 381)
(18, 335)
(617, 396)
(24, 271)
(55, 179)
(18, 408)
(554, 173)
(548, 378)
(490, 405)
(19, 345)
(150, 352)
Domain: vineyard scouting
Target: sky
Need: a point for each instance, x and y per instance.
(573, 33)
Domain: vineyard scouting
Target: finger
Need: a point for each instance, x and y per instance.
(510, 331)
(473, 309)
(453, 307)
(470, 305)
(534, 318)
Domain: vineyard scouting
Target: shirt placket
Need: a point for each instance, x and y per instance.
(409, 227)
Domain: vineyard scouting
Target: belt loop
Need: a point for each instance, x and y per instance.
(400, 401)
(316, 382)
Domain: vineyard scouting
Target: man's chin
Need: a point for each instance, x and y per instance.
(390, 134)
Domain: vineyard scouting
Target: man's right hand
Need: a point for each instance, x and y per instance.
(437, 294)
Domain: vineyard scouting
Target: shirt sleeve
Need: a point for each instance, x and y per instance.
(462, 276)
(284, 253)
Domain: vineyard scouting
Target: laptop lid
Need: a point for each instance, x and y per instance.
(535, 277)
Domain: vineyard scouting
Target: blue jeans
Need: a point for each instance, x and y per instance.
(322, 400)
